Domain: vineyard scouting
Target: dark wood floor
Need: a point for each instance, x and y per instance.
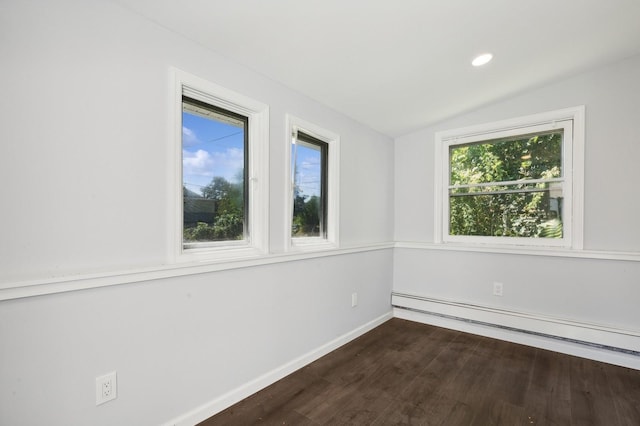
(408, 373)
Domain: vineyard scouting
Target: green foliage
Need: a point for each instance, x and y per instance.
(306, 215)
(229, 197)
(520, 209)
(551, 229)
(228, 226)
(227, 221)
(201, 232)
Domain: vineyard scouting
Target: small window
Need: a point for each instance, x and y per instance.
(312, 159)
(513, 184)
(309, 165)
(221, 180)
(214, 172)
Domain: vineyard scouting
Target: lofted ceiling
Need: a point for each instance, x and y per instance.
(397, 66)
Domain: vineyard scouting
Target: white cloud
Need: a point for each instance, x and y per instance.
(189, 137)
(199, 167)
(198, 163)
(228, 162)
(307, 165)
(308, 175)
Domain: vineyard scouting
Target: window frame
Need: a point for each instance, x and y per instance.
(257, 192)
(245, 220)
(303, 139)
(572, 120)
(331, 239)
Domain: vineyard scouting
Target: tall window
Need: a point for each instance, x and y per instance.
(214, 172)
(514, 183)
(312, 184)
(222, 172)
(309, 165)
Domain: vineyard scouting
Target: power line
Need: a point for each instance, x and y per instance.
(226, 136)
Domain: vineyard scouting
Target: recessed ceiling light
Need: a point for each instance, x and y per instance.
(482, 59)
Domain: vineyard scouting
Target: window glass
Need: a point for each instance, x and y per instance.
(309, 170)
(509, 187)
(515, 182)
(214, 174)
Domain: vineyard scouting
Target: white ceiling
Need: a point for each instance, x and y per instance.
(400, 65)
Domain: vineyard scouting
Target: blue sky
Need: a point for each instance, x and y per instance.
(210, 148)
(308, 170)
(213, 148)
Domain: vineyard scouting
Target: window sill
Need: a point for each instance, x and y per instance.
(212, 254)
(311, 244)
(524, 250)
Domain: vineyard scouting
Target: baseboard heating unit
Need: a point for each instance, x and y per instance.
(476, 316)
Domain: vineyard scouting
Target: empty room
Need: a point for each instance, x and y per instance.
(302, 212)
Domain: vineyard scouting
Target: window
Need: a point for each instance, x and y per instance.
(312, 185)
(222, 172)
(214, 174)
(513, 182)
(309, 165)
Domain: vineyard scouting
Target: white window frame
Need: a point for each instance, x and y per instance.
(258, 174)
(572, 120)
(331, 241)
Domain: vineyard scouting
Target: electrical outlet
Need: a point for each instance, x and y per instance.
(106, 388)
(354, 300)
(497, 289)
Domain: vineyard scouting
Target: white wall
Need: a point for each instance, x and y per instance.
(611, 146)
(85, 128)
(178, 343)
(84, 166)
(585, 290)
(84, 169)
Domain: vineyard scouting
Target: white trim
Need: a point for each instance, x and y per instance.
(578, 178)
(514, 123)
(211, 408)
(293, 124)
(573, 163)
(599, 342)
(566, 182)
(258, 173)
(52, 285)
(524, 251)
(575, 349)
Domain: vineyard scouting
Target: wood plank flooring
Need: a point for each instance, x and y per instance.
(406, 373)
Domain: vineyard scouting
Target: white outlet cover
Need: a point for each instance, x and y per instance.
(106, 388)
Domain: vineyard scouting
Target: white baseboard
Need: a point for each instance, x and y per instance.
(224, 401)
(600, 343)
